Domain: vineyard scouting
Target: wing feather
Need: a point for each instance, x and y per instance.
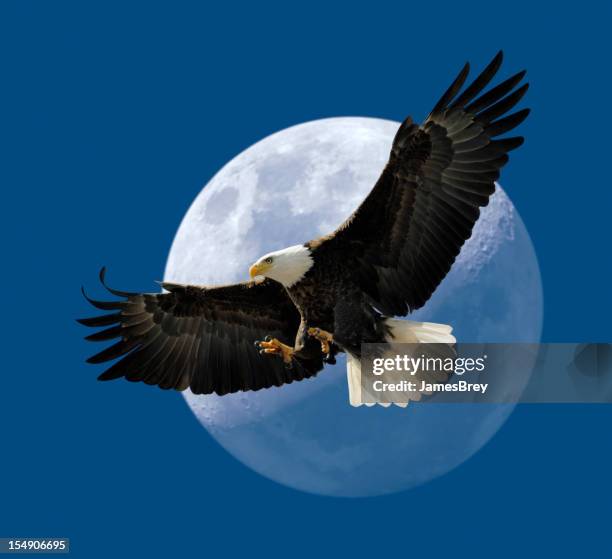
(199, 337)
(407, 233)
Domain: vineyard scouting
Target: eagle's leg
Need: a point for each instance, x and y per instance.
(324, 337)
(272, 346)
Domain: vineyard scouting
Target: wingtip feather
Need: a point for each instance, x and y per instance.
(117, 292)
(453, 89)
(108, 375)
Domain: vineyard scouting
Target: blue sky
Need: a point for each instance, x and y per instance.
(114, 115)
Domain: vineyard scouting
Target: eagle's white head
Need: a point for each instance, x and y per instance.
(287, 266)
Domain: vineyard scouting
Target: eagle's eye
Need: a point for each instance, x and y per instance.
(268, 260)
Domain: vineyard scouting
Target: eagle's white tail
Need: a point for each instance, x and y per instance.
(400, 331)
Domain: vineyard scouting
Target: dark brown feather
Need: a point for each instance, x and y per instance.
(200, 338)
(405, 236)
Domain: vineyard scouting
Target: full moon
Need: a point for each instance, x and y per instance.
(296, 185)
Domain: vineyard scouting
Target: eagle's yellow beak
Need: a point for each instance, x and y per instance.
(258, 269)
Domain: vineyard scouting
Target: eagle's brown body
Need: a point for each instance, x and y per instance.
(329, 299)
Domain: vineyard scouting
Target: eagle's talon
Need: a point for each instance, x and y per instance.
(324, 337)
(320, 335)
(272, 346)
(329, 359)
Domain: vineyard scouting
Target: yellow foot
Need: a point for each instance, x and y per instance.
(324, 337)
(272, 346)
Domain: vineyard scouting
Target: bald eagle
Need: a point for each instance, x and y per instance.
(306, 303)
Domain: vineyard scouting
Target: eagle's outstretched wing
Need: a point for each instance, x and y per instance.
(200, 338)
(406, 234)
